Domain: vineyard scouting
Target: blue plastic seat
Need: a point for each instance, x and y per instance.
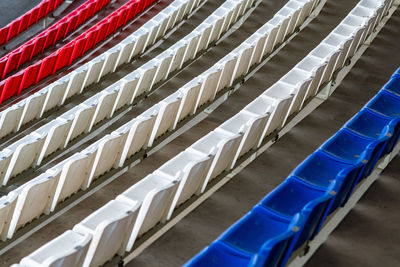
(265, 234)
(321, 168)
(351, 147)
(371, 124)
(393, 85)
(295, 196)
(385, 103)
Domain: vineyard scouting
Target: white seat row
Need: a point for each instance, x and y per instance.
(81, 169)
(156, 196)
(81, 119)
(55, 94)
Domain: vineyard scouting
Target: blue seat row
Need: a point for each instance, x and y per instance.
(294, 212)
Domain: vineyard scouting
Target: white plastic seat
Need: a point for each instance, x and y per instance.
(226, 15)
(342, 42)
(228, 64)
(178, 50)
(251, 124)
(139, 131)
(154, 193)
(95, 67)
(271, 32)
(68, 249)
(244, 53)
(75, 84)
(223, 145)
(32, 108)
(305, 78)
(141, 37)
(258, 41)
(192, 40)
(105, 105)
(190, 169)
(130, 83)
(10, 118)
(210, 79)
(205, 31)
(57, 132)
(162, 19)
(217, 23)
(74, 176)
(190, 93)
(281, 102)
(82, 115)
(110, 63)
(109, 226)
(108, 154)
(153, 28)
(292, 15)
(330, 54)
(5, 158)
(146, 72)
(282, 24)
(7, 207)
(34, 198)
(168, 109)
(127, 46)
(26, 153)
(164, 62)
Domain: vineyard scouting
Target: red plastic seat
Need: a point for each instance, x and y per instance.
(12, 29)
(43, 8)
(112, 26)
(133, 11)
(26, 53)
(81, 17)
(24, 22)
(91, 10)
(63, 57)
(12, 62)
(34, 16)
(61, 30)
(39, 45)
(11, 86)
(51, 38)
(91, 39)
(29, 78)
(3, 63)
(79, 44)
(47, 66)
(3, 35)
(72, 22)
(122, 15)
(102, 32)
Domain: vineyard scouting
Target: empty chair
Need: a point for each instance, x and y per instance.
(68, 249)
(210, 79)
(109, 226)
(294, 196)
(330, 54)
(349, 146)
(252, 125)
(55, 95)
(139, 131)
(7, 206)
(223, 145)
(190, 169)
(342, 42)
(9, 118)
(34, 198)
(386, 104)
(26, 153)
(393, 85)
(168, 109)
(33, 107)
(82, 115)
(75, 84)
(265, 237)
(228, 64)
(321, 168)
(154, 194)
(74, 176)
(310, 67)
(372, 125)
(105, 103)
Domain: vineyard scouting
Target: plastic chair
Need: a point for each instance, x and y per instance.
(386, 104)
(349, 146)
(265, 236)
(295, 196)
(393, 85)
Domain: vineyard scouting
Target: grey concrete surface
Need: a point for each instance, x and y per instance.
(10, 10)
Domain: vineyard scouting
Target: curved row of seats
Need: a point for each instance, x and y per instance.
(150, 200)
(17, 26)
(58, 133)
(75, 82)
(24, 53)
(154, 198)
(294, 212)
(76, 48)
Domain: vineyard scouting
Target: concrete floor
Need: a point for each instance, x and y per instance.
(237, 197)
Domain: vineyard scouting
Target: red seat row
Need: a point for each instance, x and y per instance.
(50, 36)
(65, 55)
(22, 23)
